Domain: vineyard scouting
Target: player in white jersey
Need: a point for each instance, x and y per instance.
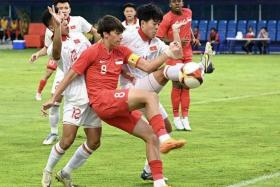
(66, 48)
(144, 43)
(131, 21)
(76, 24)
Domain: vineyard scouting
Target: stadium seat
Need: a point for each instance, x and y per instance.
(271, 27)
(231, 31)
(203, 29)
(261, 23)
(222, 25)
(253, 24)
(194, 23)
(278, 32)
(242, 26)
(35, 36)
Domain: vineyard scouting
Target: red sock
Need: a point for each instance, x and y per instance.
(156, 169)
(185, 102)
(157, 124)
(41, 86)
(175, 99)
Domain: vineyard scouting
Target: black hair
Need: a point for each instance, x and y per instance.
(55, 2)
(109, 23)
(149, 11)
(46, 17)
(129, 5)
(214, 29)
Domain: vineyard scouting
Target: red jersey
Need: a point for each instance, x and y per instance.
(101, 68)
(165, 30)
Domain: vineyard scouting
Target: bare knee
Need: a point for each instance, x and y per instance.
(93, 144)
(152, 139)
(66, 142)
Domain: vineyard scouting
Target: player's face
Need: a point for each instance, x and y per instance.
(114, 38)
(64, 8)
(64, 27)
(150, 28)
(129, 13)
(176, 5)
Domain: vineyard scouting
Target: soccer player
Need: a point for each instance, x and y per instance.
(101, 64)
(66, 48)
(131, 21)
(144, 43)
(76, 24)
(179, 95)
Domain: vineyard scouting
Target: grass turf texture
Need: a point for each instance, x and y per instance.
(234, 116)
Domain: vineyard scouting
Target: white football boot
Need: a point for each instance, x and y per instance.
(50, 139)
(38, 96)
(46, 179)
(186, 123)
(66, 181)
(206, 59)
(178, 124)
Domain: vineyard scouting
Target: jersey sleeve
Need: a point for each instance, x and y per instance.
(48, 38)
(85, 25)
(129, 57)
(162, 46)
(163, 27)
(50, 50)
(84, 61)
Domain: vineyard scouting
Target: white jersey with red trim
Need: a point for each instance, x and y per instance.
(72, 48)
(134, 26)
(76, 24)
(142, 46)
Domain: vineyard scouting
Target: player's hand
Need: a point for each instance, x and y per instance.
(196, 42)
(174, 51)
(33, 57)
(58, 17)
(47, 105)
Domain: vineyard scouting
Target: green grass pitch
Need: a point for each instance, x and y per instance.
(235, 117)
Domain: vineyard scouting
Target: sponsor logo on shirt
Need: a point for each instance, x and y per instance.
(102, 61)
(118, 62)
(73, 27)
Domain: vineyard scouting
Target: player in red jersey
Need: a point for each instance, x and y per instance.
(101, 64)
(179, 95)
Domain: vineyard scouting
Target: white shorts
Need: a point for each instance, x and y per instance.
(57, 79)
(81, 115)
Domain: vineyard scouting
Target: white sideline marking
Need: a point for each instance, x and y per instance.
(235, 98)
(255, 180)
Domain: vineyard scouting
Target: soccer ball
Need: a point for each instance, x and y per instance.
(192, 75)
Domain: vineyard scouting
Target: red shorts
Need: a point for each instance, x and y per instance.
(112, 107)
(52, 65)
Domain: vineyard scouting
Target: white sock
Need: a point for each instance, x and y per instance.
(78, 159)
(55, 155)
(148, 83)
(164, 137)
(147, 167)
(173, 72)
(54, 119)
(159, 183)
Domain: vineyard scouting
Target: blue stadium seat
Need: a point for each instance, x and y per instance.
(252, 23)
(222, 25)
(231, 29)
(278, 32)
(203, 29)
(242, 26)
(194, 23)
(262, 23)
(271, 27)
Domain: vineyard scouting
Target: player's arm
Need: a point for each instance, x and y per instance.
(174, 51)
(95, 34)
(38, 54)
(71, 75)
(57, 40)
